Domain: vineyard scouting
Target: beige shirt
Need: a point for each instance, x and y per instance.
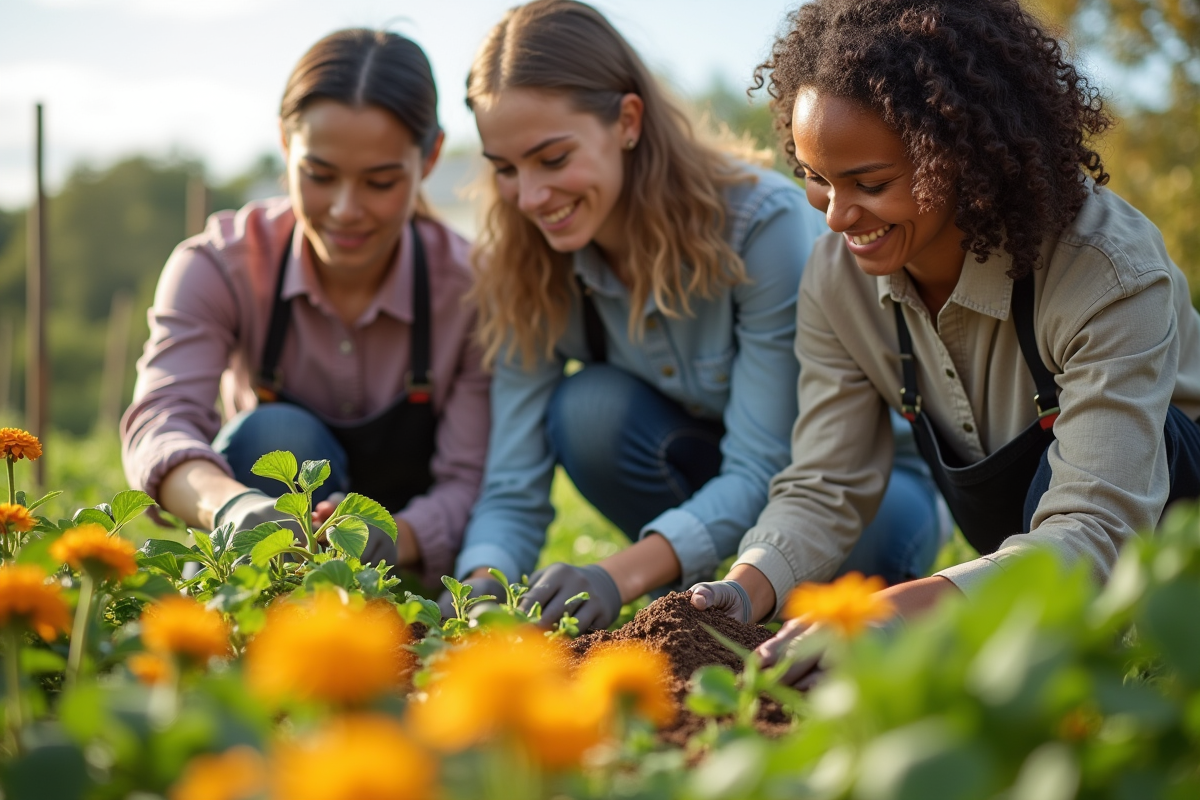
(1114, 324)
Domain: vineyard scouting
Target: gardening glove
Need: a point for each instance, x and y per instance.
(557, 583)
(479, 587)
(727, 597)
(380, 547)
(252, 508)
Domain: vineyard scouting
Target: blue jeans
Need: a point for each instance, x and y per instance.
(634, 453)
(281, 426)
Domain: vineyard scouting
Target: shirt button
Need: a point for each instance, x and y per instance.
(968, 427)
(668, 371)
(346, 346)
(950, 374)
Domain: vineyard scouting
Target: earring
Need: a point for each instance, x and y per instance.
(630, 144)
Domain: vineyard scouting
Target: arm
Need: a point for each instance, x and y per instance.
(508, 525)
(761, 407)
(167, 431)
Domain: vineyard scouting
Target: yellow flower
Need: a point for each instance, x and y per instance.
(324, 649)
(90, 548)
(15, 518)
(560, 722)
(149, 668)
(483, 685)
(359, 757)
(179, 626)
(849, 604)
(630, 672)
(27, 600)
(16, 444)
(237, 774)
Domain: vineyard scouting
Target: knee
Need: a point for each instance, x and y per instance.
(587, 414)
(277, 426)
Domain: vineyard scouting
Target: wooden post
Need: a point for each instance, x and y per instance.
(116, 357)
(37, 366)
(196, 206)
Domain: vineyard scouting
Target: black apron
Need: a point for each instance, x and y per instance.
(987, 498)
(388, 452)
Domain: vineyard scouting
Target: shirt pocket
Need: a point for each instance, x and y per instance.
(712, 372)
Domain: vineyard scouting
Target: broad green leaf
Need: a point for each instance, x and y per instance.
(1050, 772)
(228, 598)
(1168, 620)
(93, 515)
(36, 661)
(313, 474)
(204, 544)
(37, 551)
(336, 572)
(128, 504)
(251, 577)
(714, 691)
(453, 585)
(163, 562)
(922, 761)
(271, 546)
(420, 609)
(41, 500)
(360, 506)
(148, 585)
(349, 535)
(50, 769)
(250, 619)
(221, 539)
(294, 504)
(153, 547)
(370, 581)
(243, 541)
(280, 465)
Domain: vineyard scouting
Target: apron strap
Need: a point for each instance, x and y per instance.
(418, 384)
(1046, 399)
(270, 376)
(593, 327)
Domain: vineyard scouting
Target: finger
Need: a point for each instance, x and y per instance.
(702, 596)
(798, 673)
(590, 616)
(771, 650)
(811, 679)
(554, 608)
(540, 591)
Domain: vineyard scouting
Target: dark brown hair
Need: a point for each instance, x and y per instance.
(361, 67)
(983, 97)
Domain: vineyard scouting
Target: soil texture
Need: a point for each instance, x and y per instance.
(675, 627)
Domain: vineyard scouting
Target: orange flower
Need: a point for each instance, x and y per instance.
(324, 649)
(17, 444)
(27, 600)
(15, 519)
(849, 604)
(483, 686)
(560, 722)
(179, 626)
(359, 757)
(237, 774)
(149, 668)
(630, 672)
(90, 548)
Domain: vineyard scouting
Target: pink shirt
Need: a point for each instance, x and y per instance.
(208, 326)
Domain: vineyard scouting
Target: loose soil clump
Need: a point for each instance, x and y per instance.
(675, 627)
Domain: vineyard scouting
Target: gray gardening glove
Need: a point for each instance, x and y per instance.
(557, 583)
(380, 547)
(250, 509)
(479, 587)
(727, 597)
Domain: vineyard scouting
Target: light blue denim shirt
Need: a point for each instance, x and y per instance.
(732, 360)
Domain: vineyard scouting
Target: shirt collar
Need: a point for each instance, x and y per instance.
(393, 298)
(589, 264)
(984, 288)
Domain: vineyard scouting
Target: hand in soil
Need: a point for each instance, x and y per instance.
(555, 585)
(807, 671)
(724, 597)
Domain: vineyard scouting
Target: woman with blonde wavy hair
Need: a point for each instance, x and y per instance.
(615, 237)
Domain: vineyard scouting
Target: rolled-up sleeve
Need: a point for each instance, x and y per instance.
(762, 402)
(841, 454)
(439, 517)
(508, 526)
(193, 328)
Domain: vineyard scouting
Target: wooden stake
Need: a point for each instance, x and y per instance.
(37, 366)
(116, 358)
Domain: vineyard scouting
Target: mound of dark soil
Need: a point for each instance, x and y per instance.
(674, 626)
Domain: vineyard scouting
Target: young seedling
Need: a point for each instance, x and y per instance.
(567, 626)
(717, 691)
(460, 594)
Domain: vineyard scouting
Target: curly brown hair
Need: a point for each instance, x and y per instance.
(983, 97)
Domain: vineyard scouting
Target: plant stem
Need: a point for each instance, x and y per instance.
(12, 686)
(12, 486)
(83, 611)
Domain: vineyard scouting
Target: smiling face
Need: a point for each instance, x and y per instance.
(858, 173)
(563, 169)
(353, 175)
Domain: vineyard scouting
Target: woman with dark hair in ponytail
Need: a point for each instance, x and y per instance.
(331, 323)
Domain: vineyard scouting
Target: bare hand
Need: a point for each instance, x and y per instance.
(807, 670)
(325, 509)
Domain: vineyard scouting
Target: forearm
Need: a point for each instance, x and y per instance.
(643, 566)
(756, 584)
(195, 490)
(914, 598)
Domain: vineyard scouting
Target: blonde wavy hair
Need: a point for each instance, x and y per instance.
(523, 288)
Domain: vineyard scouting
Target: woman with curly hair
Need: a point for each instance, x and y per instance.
(979, 279)
(617, 238)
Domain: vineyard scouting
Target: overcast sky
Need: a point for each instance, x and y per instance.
(203, 77)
